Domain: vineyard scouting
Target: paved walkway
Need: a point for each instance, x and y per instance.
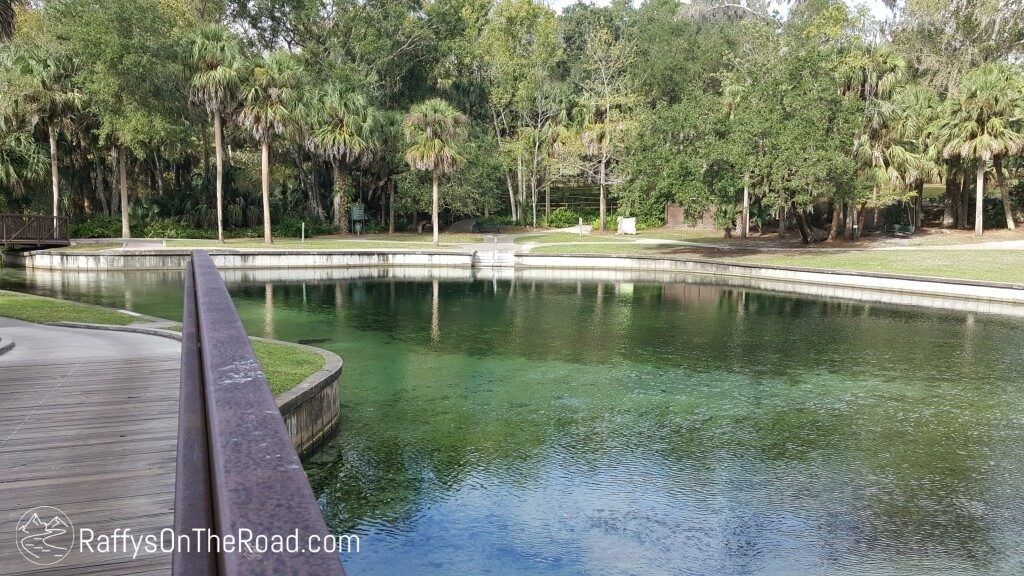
(88, 424)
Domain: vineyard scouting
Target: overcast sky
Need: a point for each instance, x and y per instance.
(877, 8)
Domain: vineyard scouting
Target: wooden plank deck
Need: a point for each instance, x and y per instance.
(88, 424)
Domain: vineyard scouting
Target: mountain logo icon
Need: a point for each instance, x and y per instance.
(45, 535)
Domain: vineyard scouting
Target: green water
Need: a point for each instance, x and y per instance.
(587, 428)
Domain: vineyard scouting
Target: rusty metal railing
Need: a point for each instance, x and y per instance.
(236, 469)
(33, 230)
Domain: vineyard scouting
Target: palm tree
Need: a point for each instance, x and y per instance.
(896, 153)
(978, 126)
(386, 160)
(20, 157)
(434, 130)
(343, 134)
(41, 88)
(917, 107)
(266, 110)
(219, 66)
(872, 74)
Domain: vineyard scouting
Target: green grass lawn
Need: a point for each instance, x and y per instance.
(703, 236)
(91, 247)
(985, 265)
(935, 237)
(934, 190)
(624, 249)
(365, 242)
(310, 244)
(560, 237)
(285, 366)
(41, 309)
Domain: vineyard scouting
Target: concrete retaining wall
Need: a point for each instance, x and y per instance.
(229, 260)
(988, 297)
(285, 265)
(312, 409)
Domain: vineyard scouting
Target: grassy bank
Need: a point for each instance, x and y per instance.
(613, 248)
(285, 366)
(965, 264)
(984, 265)
(41, 310)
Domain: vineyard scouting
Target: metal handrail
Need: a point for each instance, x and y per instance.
(236, 469)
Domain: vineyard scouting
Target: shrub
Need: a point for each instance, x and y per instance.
(97, 227)
(175, 228)
(153, 227)
(562, 218)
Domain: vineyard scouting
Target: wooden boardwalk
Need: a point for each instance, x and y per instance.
(88, 424)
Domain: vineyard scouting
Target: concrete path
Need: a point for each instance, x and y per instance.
(495, 243)
(88, 424)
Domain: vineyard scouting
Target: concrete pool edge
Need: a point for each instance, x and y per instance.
(227, 259)
(898, 289)
(311, 409)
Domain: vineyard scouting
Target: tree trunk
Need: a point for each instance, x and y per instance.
(949, 211)
(54, 173)
(918, 215)
(858, 217)
(158, 172)
(746, 210)
(801, 223)
(122, 169)
(101, 192)
(218, 139)
(391, 206)
(604, 202)
(339, 198)
(1004, 193)
(979, 202)
(434, 204)
(115, 199)
(533, 197)
(265, 186)
(837, 217)
(782, 222)
(6, 20)
(520, 187)
(964, 201)
(511, 197)
(206, 159)
(547, 203)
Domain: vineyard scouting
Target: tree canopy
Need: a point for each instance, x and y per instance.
(820, 118)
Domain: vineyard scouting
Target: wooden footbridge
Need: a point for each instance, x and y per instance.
(33, 230)
(184, 444)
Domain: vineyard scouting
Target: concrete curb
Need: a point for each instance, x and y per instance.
(754, 266)
(895, 289)
(6, 344)
(311, 410)
(228, 259)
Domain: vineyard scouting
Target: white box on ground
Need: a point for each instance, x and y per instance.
(626, 226)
